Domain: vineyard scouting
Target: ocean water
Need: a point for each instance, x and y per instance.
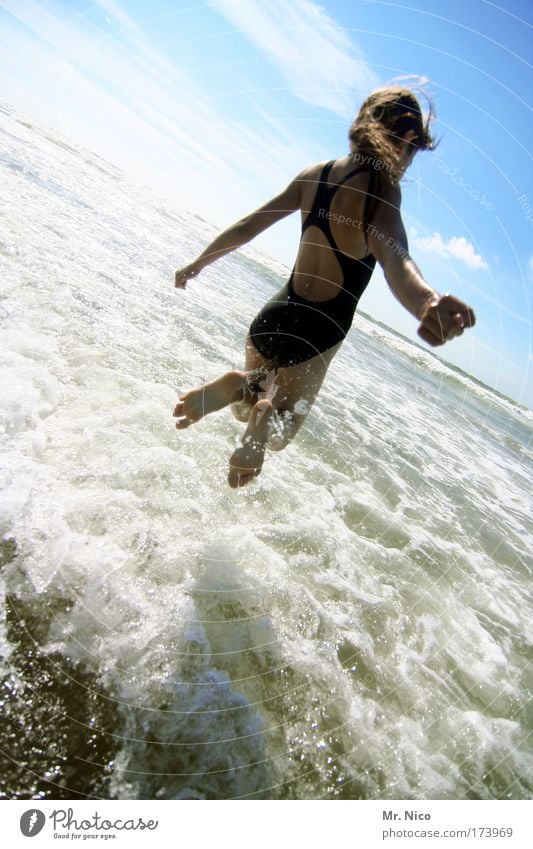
(356, 624)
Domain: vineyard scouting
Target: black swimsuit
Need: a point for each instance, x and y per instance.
(290, 329)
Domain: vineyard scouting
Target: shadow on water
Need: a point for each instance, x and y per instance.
(57, 735)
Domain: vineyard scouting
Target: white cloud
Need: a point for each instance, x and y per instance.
(315, 56)
(100, 80)
(123, 99)
(530, 266)
(457, 247)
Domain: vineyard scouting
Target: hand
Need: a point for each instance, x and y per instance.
(443, 318)
(184, 274)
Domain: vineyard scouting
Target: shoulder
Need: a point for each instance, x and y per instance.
(389, 201)
(304, 185)
(311, 173)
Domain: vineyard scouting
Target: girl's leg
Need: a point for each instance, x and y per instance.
(287, 388)
(296, 390)
(279, 399)
(276, 413)
(229, 388)
(197, 403)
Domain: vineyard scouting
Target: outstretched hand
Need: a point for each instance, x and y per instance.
(184, 274)
(443, 318)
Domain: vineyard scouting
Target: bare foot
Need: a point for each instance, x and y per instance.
(197, 403)
(246, 462)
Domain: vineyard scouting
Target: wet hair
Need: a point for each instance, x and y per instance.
(377, 132)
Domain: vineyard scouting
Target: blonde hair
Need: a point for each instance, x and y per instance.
(383, 119)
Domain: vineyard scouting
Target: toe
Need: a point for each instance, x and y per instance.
(181, 424)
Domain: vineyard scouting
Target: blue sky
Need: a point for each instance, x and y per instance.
(219, 104)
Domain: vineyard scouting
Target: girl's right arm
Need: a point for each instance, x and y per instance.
(442, 317)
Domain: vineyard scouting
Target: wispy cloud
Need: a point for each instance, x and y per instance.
(501, 308)
(98, 77)
(457, 247)
(314, 55)
(102, 82)
(116, 12)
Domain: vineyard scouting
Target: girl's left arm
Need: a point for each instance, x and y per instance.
(243, 231)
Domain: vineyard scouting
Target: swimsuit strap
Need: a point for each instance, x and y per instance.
(322, 189)
(323, 182)
(349, 175)
(323, 198)
(371, 200)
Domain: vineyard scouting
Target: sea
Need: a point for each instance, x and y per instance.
(354, 624)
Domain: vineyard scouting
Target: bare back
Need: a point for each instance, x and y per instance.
(317, 273)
